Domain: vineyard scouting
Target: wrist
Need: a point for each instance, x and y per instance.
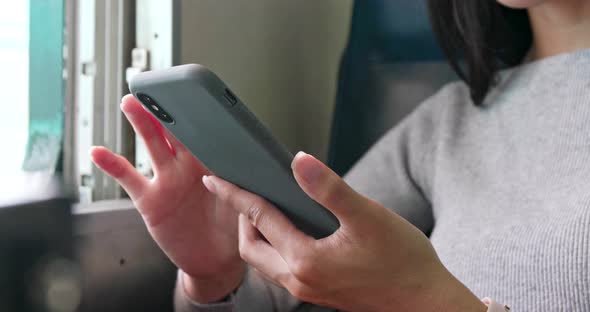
(442, 292)
(450, 295)
(211, 290)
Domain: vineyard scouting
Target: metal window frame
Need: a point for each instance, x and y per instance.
(70, 68)
(100, 36)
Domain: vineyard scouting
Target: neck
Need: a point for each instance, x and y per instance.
(560, 26)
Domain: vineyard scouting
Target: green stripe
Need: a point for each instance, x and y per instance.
(46, 85)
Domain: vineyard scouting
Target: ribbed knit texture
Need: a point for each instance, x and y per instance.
(504, 189)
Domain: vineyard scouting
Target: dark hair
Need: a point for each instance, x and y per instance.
(485, 34)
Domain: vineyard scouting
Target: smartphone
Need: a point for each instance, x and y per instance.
(216, 126)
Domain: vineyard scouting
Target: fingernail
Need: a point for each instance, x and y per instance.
(298, 155)
(92, 148)
(309, 169)
(91, 152)
(209, 184)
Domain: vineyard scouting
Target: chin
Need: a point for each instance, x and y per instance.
(521, 4)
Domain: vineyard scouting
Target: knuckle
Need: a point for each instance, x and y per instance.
(226, 195)
(255, 213)
(118, 169)
(333, 193)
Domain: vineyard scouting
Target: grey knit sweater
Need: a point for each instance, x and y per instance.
(504, 189)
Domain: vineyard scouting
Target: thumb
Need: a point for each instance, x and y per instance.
(327, 188)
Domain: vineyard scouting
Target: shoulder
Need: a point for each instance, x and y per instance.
(450, 105)
(452, 96)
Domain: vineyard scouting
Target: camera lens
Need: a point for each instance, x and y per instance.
(154, 108)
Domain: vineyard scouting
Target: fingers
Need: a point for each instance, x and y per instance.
(275, 227)
(177, 147)
(121, 170)
(259, 254)
(326, 187)
(150, 130)
(267, 261)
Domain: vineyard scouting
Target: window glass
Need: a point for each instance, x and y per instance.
(46, 86)
(14, 83)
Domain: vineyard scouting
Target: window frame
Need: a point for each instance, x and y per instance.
(100, 37)
(101, 34)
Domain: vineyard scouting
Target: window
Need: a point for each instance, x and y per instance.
(46, 86)
(14, 83)
(62, 75)
(62, 66)
(31, 58)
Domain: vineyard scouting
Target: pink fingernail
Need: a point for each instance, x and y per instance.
(309, 169)
(91, 150)
(209, 184)
(299, 154)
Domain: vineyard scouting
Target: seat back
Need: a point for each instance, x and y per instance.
(391, 64)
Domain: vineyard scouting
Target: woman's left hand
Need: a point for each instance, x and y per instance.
(375, 261)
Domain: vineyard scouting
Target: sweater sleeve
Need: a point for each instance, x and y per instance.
(255, 294)
(395, 172)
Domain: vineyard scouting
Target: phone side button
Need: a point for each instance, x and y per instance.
(230, 97)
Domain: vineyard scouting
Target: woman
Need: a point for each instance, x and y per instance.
(494, 168)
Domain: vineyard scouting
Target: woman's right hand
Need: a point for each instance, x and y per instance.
(190, 225)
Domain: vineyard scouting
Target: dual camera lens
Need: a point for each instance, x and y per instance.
(156, 109)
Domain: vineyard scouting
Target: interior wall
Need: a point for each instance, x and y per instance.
(280, 57)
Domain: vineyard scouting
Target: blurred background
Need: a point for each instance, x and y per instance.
(327, 77)
(14, 61)
(281, 57)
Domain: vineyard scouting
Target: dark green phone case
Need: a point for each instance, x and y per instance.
(220, 130)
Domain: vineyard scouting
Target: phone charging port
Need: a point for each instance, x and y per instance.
(230, 97)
